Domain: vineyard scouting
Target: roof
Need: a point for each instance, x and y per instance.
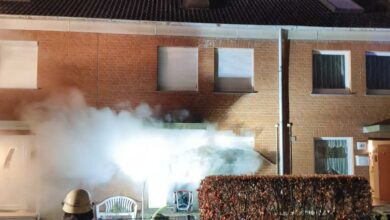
(260, 12)
(384, 122)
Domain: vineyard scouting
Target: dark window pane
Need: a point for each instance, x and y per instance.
(328, 71)
(378, 72)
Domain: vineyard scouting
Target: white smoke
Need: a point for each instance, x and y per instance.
(80, 145)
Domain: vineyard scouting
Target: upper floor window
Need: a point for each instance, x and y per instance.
(331, 72)
(18, 64)
(234, 70)
(378, 72)
(333, 155)
(177, 69)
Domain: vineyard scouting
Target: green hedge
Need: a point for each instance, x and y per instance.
(284, 197)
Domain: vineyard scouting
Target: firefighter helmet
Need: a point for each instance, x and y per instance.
(77, 201)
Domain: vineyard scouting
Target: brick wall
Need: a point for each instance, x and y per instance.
(120, 71)
(330, 115)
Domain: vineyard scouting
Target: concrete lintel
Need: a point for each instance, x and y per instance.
(111, 27)
(233, 31)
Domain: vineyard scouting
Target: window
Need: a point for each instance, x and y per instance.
(333, 155)
(18, 64)
(331, 72)
(177, 69)
(378, 73)
(234, 70)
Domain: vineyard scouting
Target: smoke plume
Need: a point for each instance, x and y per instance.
(81, 146)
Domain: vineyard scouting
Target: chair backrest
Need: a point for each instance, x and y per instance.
(183, 200)
(116, 206)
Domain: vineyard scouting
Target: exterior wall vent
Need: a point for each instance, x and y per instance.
(342, 6)
(195, 3)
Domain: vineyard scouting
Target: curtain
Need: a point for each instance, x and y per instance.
(331, 156)
(378, 72)
(328, 71)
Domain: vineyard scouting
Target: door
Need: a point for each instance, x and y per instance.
(384, 172)
(15, 171)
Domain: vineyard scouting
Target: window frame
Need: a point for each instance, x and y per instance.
(216, 70)
(375, 91)
(350, 153)
(347, 69)
(160, 88)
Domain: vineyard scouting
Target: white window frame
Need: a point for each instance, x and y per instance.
(347, 60)
(161, 69)
(217, 69)
(13, 81)
(376, 91)
(350, 154)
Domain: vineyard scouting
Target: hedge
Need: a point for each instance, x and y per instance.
(284, 197)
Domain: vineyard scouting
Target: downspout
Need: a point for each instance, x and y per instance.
(284, 150)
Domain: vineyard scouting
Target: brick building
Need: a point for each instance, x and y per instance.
(121, 52)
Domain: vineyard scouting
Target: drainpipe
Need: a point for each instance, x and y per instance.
(284, 150)
(277, 148)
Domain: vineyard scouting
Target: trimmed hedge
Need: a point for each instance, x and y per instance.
(284, 197)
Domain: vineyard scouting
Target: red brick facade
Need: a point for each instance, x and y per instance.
(119, 71)
(331, 115)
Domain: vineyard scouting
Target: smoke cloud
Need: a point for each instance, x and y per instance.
(81, 146)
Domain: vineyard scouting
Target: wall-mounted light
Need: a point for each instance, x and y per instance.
(370, 147)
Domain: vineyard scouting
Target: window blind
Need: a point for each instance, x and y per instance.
(18, 64)
(177, 69)
(234, 71)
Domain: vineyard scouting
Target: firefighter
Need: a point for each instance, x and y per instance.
(77, 205)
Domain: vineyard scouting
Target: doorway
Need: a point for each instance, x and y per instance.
(379, 170)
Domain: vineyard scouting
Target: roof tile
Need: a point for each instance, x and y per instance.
(261, 12)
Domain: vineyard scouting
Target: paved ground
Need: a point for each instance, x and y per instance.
(381, 211)
(168, 212)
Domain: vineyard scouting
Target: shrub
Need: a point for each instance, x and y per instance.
(284, 197)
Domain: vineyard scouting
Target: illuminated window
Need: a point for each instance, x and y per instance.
(18, 64)
(331, 72)
(234, 70)
(378, 73)
(333, 155)
(177, 69)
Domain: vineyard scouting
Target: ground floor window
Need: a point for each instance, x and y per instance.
(333, 155)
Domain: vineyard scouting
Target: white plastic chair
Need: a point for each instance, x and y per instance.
(116, 207)
(183, 200)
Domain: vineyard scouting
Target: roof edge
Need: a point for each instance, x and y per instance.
(164, 28)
